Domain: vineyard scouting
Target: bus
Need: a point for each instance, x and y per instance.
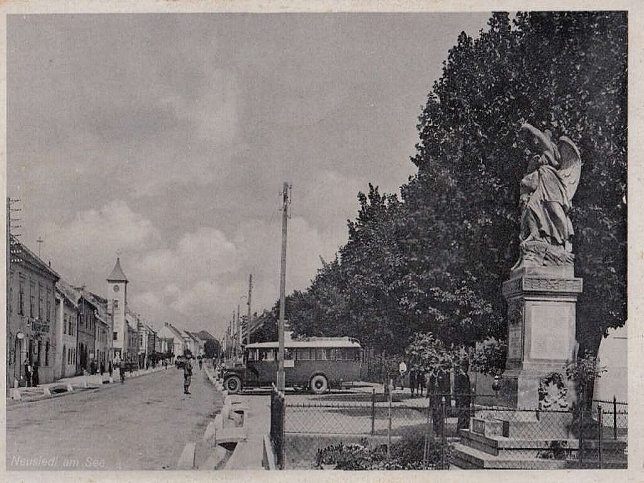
(316, 363)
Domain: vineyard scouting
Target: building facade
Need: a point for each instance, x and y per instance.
(31, 322)
(67, 298)
(103, 334)
(86, 338)
(172, 340)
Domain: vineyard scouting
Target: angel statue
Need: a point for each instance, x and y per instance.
(546, 194)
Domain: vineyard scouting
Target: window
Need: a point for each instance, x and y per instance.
(40, 299)
(64, 324)
(48, 305)
(320, 354)
(115, 335)
(289, 354)
(303, 354)
(21, 298)
(32, 298)
(47, 353)
(267, 355)
(115, 303)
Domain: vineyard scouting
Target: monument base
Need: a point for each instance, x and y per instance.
(541, 337)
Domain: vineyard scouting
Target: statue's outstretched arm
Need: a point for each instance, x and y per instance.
(545, 142)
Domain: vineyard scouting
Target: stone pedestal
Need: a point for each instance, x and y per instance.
(541, 336)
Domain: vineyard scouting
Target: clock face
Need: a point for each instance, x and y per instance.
(116, 288)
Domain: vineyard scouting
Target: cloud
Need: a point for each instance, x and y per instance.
(90, 240)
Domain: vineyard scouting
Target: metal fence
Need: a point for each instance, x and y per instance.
(278, 406)
(378, 432)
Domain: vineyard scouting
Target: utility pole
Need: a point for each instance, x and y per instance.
(281, 383)
(12, 256)
(250, 293)
(239, 328)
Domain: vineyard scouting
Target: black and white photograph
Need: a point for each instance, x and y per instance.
(332, 240)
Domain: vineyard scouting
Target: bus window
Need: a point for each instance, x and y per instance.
(330, 354)
(303, 354)
(288, 354)
(267, 355)
(320, 354)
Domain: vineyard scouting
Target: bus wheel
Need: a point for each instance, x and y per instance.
(233, 384)
(319, 384)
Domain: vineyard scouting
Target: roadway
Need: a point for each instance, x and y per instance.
(143, 424)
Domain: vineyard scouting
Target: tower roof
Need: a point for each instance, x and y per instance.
(117, 274)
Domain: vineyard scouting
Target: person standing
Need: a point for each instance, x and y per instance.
(34, 377)
(187, 374)
(412, 382)
(110, 368)
(402, 371)
(27, 373)
(200, 363)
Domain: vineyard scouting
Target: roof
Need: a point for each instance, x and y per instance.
(190, 336)
(28, 256)
(70, 293)
(205, 335)
(117, 274)
(100, 303)
(322, 342)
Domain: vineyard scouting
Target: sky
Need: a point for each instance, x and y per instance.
(166, 138)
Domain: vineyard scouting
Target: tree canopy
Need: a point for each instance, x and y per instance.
(433, 260)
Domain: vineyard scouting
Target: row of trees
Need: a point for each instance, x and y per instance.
(433, 259)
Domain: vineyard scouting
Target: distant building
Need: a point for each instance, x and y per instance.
(86, 338)
(30, 330)
(103, 332)
(171, 339)
(67, 298)
(147, 338)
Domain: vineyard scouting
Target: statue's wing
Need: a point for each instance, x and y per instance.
(570, 167)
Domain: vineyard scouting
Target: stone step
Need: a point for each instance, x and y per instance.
(465, 457)
(230, 435)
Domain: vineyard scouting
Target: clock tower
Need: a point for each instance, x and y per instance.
(116, 305)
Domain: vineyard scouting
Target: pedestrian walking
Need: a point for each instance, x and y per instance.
(187, 374)
(110, 368)
(200, 363)
(122, 371)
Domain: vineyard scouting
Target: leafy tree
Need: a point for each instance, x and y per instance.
(267, 327)
(434, 259)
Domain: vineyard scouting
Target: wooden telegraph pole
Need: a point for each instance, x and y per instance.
(250, 292)
(280, 331)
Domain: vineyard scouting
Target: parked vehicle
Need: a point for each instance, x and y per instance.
(317, 363)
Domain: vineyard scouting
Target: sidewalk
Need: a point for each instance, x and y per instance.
(248, 454)
(90, 381)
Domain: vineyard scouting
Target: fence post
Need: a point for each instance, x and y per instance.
(614, 417)
(443, 418)
(389, 426)
(581, 438)
(373, 412)
(427, 434)
(599, 422)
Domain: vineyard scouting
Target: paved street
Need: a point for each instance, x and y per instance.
(143, 424)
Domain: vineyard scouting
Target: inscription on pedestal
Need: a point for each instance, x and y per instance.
(515, 329)
(515, 342)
